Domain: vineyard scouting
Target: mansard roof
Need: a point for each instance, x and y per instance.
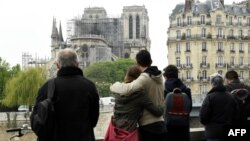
(211, 5)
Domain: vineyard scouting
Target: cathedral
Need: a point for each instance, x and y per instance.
(97, 37)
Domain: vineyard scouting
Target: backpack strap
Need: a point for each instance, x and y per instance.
(51, 88)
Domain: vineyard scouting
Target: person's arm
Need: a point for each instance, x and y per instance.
(129, 88)
(188, 92)
(150, 106)
(205, 112)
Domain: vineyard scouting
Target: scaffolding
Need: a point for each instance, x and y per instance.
(29, 61)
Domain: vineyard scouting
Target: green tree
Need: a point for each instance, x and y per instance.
(4, 75)
(22, 89)
(107, 72)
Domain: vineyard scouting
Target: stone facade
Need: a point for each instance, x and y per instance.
(212, 37)
(97, 37)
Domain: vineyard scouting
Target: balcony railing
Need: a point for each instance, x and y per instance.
(232, 51)
(220, 50)
(204, 50)
(232, 65)
(208, 36)
(241, 51)
(177, 52)
(187, 66)
(220, 36)
(204, 65)
(183, 24)
(220, 65)
(204, 79)
(188, 79)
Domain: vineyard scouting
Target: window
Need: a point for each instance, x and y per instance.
(137, 27)
(239, 20)
(204, 89)
(248, 21)
(188, 74)
(204, 60)
(231, 46)
(188, 61)
(178, 34)
(188, 46)
(189, 20)
(178, 48)
(178, 61)
(188, 33)
(220, 46)
(203, 19)
(178, 21)
(219, 32)
(241, 61)
(232, 60)
(203, 32)
(241, 74)
(130, 27)
(204, 46)
(218, 19)
(241, 47)
(204, 74)
(248, 34)
(220, 60)
(230, 20)
(231, 32)
(240, 33)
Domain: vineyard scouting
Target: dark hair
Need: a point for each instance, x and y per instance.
(143, 58)
(132, 73)
(232, 75)
(171, 71)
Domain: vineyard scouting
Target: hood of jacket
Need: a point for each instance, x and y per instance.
(154, 73)
(172, 83)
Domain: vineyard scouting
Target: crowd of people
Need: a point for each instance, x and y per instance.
(157, 110)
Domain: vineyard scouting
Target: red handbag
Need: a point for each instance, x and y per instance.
(117, 134)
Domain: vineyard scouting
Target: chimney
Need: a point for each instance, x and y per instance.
(188, 5)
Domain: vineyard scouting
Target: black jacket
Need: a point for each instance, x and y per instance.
(217, 110)
(76, 107)
(243, 110)
(171, 84)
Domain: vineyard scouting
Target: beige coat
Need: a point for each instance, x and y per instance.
(152, 85)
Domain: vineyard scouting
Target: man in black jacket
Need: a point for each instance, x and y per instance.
(176, 132)
(243, 108)
(217, 110)
(77, 101)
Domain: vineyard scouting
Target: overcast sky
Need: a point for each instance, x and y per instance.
(26, 25)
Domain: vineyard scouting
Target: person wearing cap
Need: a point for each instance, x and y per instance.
(217, 110)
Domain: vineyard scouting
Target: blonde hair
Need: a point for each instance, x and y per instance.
(132, 74)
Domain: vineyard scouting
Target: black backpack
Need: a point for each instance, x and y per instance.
(43, 121)
(241, 97)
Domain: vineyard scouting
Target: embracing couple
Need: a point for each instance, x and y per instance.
(140, 100)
